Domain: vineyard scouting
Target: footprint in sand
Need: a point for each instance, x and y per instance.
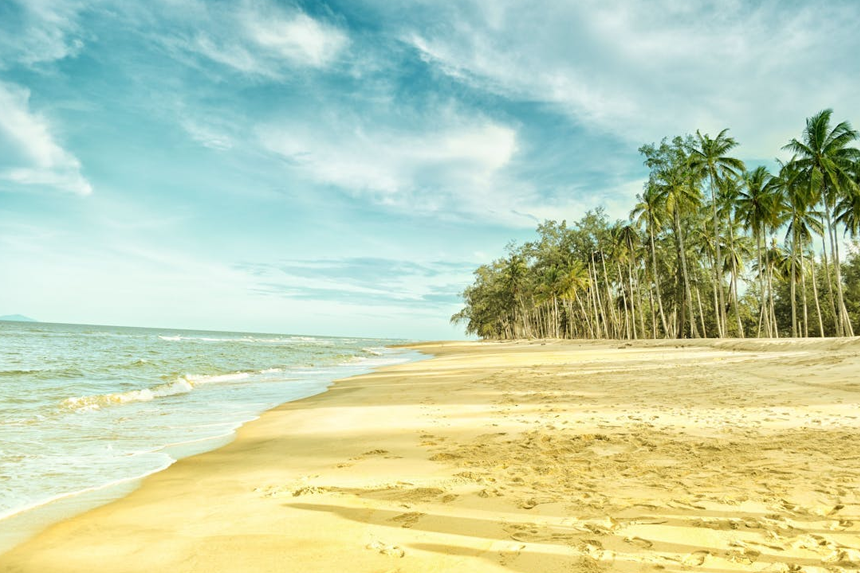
(696, 558)
(385, 549)
(638, 541)
(407, 520)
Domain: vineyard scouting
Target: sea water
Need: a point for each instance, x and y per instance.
(86, 408)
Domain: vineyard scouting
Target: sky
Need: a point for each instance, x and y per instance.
(341, 167)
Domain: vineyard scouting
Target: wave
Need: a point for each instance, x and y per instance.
(248, 339)
(181, 385)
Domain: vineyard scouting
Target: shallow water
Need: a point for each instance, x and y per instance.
(82, 407)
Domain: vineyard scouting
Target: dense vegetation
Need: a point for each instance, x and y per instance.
(710, 249)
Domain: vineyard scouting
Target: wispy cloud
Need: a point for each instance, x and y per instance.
(30, 154)
(642, 71)
(362, 280)
(255, 37)
(37, 31)
(448, 164)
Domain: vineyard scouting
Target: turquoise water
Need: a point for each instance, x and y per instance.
(83, 407)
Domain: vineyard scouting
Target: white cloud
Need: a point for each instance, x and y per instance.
(640, 71)
(458, 165)
(31, 156)
(255, 37)
(36, 31)
(206, 135)
(296, 37)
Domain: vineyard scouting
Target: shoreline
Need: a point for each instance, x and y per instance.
(23, 523)
(512, 456)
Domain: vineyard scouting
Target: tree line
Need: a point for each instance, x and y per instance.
(710, 249)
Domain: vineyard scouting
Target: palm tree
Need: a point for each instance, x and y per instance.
(758, 209)
(649, 212)
(804, 221)
(626, 241)
(711, 156)
(680, 195)
(826, 158)
(730, 191)
(786, 185)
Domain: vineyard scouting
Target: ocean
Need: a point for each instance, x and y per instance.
(86, 411)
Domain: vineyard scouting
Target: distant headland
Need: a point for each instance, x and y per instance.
(17, 318)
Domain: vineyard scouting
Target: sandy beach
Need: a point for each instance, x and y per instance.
(531, 457)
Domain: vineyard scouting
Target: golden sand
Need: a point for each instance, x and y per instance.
(652, 456)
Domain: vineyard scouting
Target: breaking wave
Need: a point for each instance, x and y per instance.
(181, 385)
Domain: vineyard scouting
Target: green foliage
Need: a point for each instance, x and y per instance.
(698, 255)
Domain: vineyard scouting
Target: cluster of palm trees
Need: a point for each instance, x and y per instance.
(700, 254)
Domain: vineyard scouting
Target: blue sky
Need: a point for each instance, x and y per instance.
(341, 167)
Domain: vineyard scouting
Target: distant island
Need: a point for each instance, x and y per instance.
(17, 318)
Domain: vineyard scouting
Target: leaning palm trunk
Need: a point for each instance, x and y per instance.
(701, 313)
(803, 288)
(839, 317)
(656, 278)
(598, 309)
(716, 309)
(632, 295)
(843, 318)
(636, 284)
(719, 315)
(688, 294)
(762, 315)
(817, 305)
(793, 277)
(616, 320)
(736, 302)
(628, 319)
(830, 297)
(770, 298)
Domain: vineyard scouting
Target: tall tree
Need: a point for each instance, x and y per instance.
(712, 157)
(649, 212)
(758, 209)
(824, 153)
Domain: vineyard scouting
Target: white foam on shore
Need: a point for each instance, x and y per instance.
(39, 513)
(181, 385)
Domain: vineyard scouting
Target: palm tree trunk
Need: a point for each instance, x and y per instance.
(701, 313)
(627, 321)
(598, 306)
(718, 271)
(830, 297)
(793, 278)
(770, 297)
(653, 314)
(616, 320)
(737, 305)
(716, 310)
(803, 288)
(679, 234)
(762, 303)
(632, 294)
(656, 279)
(845, 324)
(815, 296)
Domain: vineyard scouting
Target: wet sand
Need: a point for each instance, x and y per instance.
(532, 457)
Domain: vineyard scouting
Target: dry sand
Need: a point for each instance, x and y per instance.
(661, 456)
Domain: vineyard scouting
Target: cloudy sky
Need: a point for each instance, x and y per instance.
(341, 167)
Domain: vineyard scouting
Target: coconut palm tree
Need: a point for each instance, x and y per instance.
(650, 212)
(681, 196)
(730, 191)
(711, 157)
(758, 208)
(823, 153)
